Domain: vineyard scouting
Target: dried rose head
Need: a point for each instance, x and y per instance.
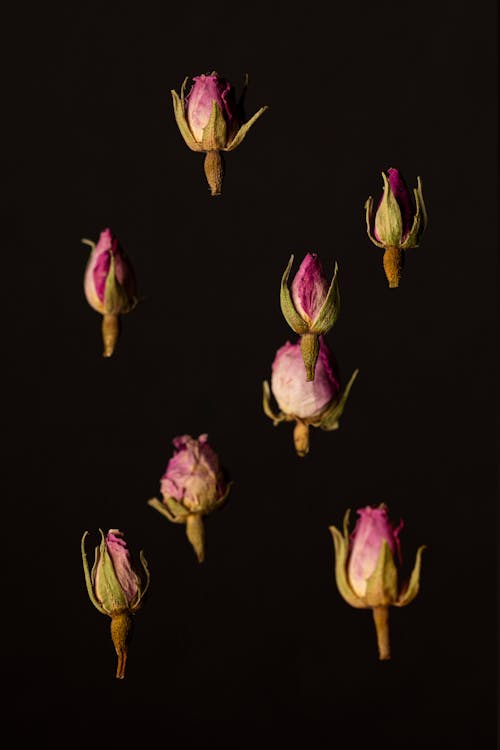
(210, 120)
(193, 486)
(317, 403)
(109, 285)
(367, 567)
(116, 588)
(311, 306)
(399, 222)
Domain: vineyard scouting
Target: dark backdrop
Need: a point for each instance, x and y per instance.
(255, 646)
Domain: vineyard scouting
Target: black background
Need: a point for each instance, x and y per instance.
(255, 646)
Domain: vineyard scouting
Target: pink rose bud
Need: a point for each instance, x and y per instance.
(205, 91)
(115, 588)
(367, 566)
(193, 486)
(317, 403)
(399, 222)
(312, 306)
(109, 285)
(210, 120)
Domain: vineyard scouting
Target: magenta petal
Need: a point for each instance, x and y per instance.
(199, 102)
(403, 197)
(98, 268)
(372, 528)
(100, 273)
(193, 474)
(120, 557)
(309, 287)
(296, 395)
(100, 262)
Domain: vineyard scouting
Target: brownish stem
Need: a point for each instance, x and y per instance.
(195, 531)
(121, 626)
(309, 346)
(110, 330)
(214, 171)
(381, 618)
(393, 265)
(301, 438)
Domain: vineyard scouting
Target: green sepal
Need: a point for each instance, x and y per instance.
(341, 544)
(409, 593)
(218, 503)
(292, 317)
(176, 508)
(110, 594)
(240, 135)
(175, 515)
(368, 210)
(382, 585)
(134, 606)
(181, 121)
(330, 417)
(214, 136)
(420, 219)
(388, 219)
(88, 578)
(266, 405)
(90, 243)
(330, 309)
(183, 100)
(116, 301)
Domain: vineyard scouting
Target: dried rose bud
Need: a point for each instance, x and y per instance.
(312, 307)
(115, 588)
(211, 120)
(399, 223)
(316, 403)
(366, 568)
(193, 486)
(109, 285)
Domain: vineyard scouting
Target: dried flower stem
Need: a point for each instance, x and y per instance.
(195, 531)
(301, 438)
(381, 618)
(110, 330)
(214, 171)
(393, 265)
(121, 626)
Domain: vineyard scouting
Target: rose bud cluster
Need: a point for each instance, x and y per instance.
(311, 306)
(193, 486)
(211, 120)
(308, 403)
(366, 568)
(109, 285)
(115, 588)
(399, 222)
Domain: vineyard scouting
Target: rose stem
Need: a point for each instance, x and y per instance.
(121, 625)
(381, 617)
(110, 329)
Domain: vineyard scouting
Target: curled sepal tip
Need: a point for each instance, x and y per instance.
(330, 418)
